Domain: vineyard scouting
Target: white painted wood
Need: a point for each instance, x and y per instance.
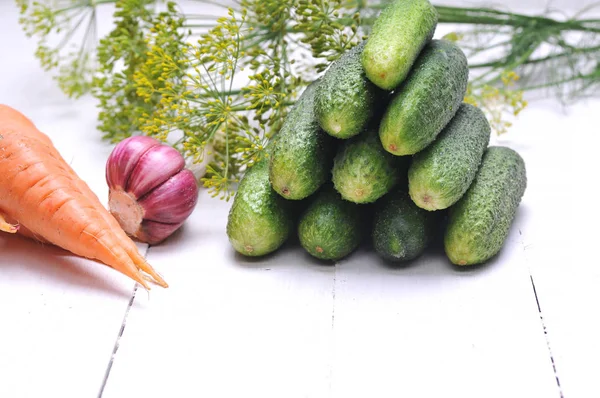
(431, 330)
(560, 233)
(559, 222)
(227, 326)
(59, 315)
(272, 328)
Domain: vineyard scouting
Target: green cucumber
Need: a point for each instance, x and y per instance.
(480, 221)
(259, 220)
(401, 230)
(363, 171)
(302, 155)
(346, 99)
(441, 173)
(427, 100)
(330, 228)
(399, 34)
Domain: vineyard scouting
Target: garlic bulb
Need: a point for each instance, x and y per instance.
(151, 193)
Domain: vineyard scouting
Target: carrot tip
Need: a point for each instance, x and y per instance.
(159, 282)
(141, 279)
(6, 227)
(154, 276)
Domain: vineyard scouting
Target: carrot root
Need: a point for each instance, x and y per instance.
(143, 265)
(7, 227)
(153, 276)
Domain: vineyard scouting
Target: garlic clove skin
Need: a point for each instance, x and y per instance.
(124, 158)
(153, 168)
(172, 201)
(153, 232)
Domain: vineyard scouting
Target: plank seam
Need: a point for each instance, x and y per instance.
(546, 337)
(539, 307)
(333, 298)
(121, 331)
(116, 346)
(332, 327)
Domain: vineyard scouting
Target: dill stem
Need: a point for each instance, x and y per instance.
(211, 95)
(537, 22)
(481, 78)
(242, 108)
(89, 3)
(226, 150)
(71, 32)
(239, 108)
(489, 16)
(492, 17)
(490, 47)
(201, 26)
(590, 76)
(499, 64)
(99, 2)
(202, 16)
(70, 8)
(88, 31)
(508, 66)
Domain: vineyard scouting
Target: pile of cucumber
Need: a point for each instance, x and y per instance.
(382, 147)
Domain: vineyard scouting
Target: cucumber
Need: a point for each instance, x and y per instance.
(401, 230)
(259, 220)
(480, 221)
(330, 228)
(363, 171)
(427, 100)
(441, 173)
(398, 36)
(345, 99)
(302, 155)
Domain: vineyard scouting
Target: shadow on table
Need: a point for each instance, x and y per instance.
(364, 260)
(26, 259)
(434, 262)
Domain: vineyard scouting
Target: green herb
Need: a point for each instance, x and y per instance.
(120, 56)
(219, 87)
(512, 53)
(66, 38)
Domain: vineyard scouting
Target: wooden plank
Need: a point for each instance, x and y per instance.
(560, 235)
(274, 323)
(60, 314)
(227, 326)
(432, 330)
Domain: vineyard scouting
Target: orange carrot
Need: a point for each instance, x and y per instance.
(42, 197)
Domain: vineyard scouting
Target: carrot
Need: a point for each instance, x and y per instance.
(42, 197)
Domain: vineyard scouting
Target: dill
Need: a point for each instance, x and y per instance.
(219, 87)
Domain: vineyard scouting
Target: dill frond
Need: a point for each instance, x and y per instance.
(66, 39)
(514, 55)
(120, 55)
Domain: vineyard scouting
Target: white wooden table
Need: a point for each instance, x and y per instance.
(524, 326)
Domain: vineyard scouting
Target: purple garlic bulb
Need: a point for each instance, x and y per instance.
(151, 193)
